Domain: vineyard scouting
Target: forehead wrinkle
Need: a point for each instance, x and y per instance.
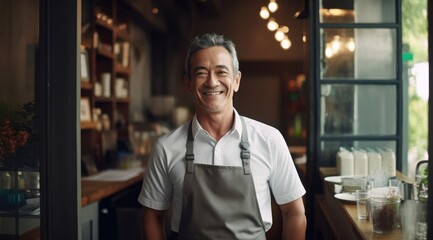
(196, 68)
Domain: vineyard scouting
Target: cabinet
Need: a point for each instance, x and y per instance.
(105, 72)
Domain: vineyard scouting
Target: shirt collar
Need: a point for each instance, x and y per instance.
(236, 128)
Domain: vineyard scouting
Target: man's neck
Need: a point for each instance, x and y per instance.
(218, 124)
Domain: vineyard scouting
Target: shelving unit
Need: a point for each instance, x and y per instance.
(107, 43)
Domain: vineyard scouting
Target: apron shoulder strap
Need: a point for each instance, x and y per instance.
(245, 148)
(189, 157)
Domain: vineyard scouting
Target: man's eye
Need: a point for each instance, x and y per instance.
(222, 73)
(200, 74)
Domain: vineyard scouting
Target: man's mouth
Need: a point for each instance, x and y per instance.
(213, 93)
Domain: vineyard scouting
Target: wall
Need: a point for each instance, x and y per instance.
(18, 42)
(140, 77)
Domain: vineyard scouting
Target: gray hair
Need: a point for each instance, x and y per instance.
(209, 40)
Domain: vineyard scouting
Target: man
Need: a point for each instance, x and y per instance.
(218, 170)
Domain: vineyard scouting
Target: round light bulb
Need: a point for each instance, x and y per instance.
(351, 45)
(272, 24)
(279, 35)
(286, 43)
(335, 45)
(264, 13)
(328, 51)
(273, 6)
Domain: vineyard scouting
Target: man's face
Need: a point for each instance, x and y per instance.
(213, 82)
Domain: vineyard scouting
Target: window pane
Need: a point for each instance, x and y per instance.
(357, 11)
(358, 110)
(358, 53)
(329, 149)
(19, 132)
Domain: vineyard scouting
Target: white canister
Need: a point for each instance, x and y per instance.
(360, 162)
(345, 162)
(119, 86)
(98, 89)
(374, 161)
(389, 162)
(106, 84)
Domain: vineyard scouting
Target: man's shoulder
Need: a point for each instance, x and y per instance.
(256, 125)
(175, 135)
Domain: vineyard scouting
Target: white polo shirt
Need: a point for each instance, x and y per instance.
(271, 164)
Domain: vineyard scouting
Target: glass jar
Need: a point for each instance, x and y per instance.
(384, 214)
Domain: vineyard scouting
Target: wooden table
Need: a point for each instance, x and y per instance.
(335, 219)
(93, 191)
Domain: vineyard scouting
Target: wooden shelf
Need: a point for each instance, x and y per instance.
(86, 85)
(88, 125)
(104, 99)
(122, 70)
(122, 100)
(101, 40)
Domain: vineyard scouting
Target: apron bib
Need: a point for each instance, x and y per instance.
(219, 202)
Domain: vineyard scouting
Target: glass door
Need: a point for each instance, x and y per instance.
(39, 124)
(19, 120)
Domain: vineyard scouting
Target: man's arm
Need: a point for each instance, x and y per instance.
(294, 220)
(153, 224)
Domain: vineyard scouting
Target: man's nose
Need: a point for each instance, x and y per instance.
(212, 80)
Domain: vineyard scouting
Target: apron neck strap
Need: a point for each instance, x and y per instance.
(189, 157)
(245, 149)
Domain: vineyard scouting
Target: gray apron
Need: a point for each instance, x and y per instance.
(219, 202)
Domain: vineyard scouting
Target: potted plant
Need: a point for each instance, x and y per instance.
(384, 212)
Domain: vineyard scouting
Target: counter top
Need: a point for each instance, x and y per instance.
(93, 191)
(342, 217)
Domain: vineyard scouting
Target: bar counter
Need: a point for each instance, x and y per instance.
(336, 219)
(94, 191)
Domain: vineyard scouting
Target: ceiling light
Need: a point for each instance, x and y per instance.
(328, 51)
(264, 13)
(272, 25)
(335, 44)
(279, 35)
(286, 43)
(351, 45)
(273, 6)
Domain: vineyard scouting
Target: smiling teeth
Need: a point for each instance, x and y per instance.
(212, 93)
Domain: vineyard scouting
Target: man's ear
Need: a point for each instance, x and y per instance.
(237, 81)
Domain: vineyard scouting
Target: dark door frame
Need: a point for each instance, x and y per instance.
(58, 97)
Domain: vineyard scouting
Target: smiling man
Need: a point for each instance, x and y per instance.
(218, 171)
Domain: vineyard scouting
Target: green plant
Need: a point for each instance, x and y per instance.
(424, 176)
(18, 134)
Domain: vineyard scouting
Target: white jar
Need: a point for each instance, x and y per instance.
(106, 84)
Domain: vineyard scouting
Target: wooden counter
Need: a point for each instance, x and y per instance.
(335, 219)
(93, 191)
